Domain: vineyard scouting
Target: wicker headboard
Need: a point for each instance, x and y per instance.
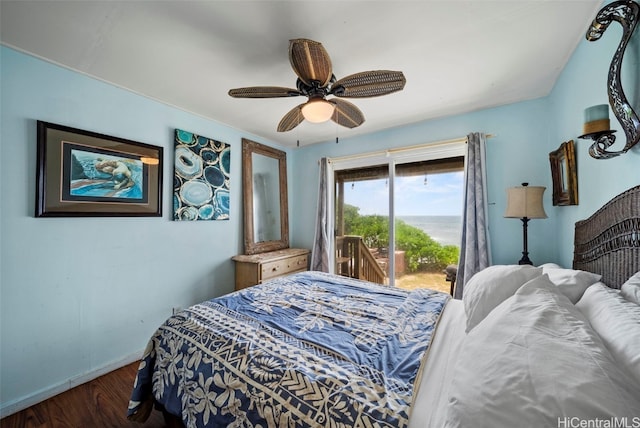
(608, 242)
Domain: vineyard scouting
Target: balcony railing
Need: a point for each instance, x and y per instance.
(354, 259)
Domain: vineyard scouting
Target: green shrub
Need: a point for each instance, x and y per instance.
(422, 253)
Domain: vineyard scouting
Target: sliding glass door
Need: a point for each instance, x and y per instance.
(427, 209)
(397, 218)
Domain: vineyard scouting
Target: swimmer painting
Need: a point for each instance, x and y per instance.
(100, 175)
(85, 174)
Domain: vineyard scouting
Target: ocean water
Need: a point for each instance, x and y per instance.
(445, 229)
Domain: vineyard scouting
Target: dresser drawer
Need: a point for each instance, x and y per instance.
(273, 269)
(284, 267)
(298, 263)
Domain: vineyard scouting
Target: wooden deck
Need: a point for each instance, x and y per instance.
(434, 281)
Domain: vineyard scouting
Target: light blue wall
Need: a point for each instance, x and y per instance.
(78, 294)
(583, 84)
(525, 134)
(518, 153)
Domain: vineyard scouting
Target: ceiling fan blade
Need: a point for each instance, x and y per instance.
(369, 84)
(346, 114)
(264, 92)
(310, 61)
(291, 119)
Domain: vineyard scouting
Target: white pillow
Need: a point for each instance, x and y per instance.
(617, 321)
(572, 282)
(631, 289)
(535, 359)
(491, 286)
(550, 266)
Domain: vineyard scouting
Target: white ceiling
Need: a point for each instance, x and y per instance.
(457, 56)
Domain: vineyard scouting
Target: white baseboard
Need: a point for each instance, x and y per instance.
(15, 406)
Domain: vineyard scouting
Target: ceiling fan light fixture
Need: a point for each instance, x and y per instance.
(317, 110)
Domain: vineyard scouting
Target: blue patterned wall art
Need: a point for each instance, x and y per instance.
(201, 179)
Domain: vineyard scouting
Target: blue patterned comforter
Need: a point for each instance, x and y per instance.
(310, 349)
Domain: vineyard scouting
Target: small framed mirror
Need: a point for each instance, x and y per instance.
(564, 174)
(264, 181)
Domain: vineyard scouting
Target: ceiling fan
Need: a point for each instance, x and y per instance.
(311, 63)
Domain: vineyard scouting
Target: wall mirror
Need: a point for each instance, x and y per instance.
(264, 182)
(564, 174)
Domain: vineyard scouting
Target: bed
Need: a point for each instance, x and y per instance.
(526, 346)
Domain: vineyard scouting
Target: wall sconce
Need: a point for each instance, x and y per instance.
(525, 203)
(627, 13)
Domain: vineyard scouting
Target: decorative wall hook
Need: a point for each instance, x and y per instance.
(627, 13)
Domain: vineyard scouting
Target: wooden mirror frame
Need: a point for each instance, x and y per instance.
(564, 174)
(250, 246)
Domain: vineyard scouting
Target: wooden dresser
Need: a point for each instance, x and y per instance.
(256, 268)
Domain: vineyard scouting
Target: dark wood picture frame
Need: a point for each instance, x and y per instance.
(86, 174)
(564, 174)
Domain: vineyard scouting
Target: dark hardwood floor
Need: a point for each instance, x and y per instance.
(100, 403)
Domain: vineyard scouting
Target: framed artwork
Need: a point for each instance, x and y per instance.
(564, 174)
(201, 178)
(86, 174)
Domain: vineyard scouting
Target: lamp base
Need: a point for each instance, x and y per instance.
(525, 259)
(525, 252)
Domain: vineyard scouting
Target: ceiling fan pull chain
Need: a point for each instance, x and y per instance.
(298, 130)
(335, 122)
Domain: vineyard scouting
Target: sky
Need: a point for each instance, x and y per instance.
(442, 195)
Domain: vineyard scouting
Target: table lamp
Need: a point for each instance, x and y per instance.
(525, 203)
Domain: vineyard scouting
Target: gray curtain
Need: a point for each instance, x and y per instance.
(321, 245)
(474, 249)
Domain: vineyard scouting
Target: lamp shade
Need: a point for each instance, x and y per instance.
(317, 110)
(525, 201)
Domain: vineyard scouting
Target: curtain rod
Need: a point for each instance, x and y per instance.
(405, 149)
